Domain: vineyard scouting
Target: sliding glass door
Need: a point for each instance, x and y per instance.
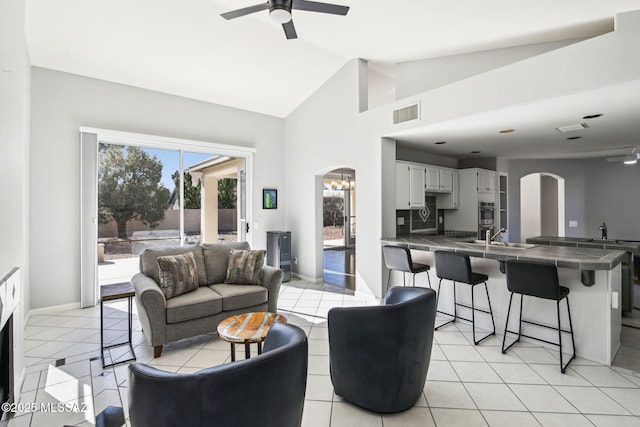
(154, 193)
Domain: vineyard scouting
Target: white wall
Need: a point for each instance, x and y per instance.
(530, 207)
(14, 157)
(585, 65)
(327, 132)
(62, 102)
(423, 75)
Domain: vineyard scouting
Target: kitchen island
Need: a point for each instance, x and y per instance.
(592, 275)
(632, 250)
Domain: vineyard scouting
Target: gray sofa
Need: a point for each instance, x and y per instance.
(198, 312)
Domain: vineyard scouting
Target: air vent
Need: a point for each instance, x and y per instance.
(405, 114)
(572, 128)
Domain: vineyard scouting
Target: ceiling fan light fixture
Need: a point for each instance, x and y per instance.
(281, 15)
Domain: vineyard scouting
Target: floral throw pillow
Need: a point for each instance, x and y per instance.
(178, 274)
(245, 266)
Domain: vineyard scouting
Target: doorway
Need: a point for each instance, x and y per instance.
(339, 228)
(167, 184)
(541, 205)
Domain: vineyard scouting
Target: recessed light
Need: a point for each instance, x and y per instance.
(593, 116)
(474, 152)
(507, 131)
(573, 137)
(441, 142)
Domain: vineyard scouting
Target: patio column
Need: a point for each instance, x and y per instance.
(209, 211)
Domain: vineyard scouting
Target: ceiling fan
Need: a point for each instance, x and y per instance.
(628, 159)
(280, 11)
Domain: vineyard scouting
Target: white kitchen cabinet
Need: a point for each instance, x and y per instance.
(403, 183)
(417, 185)
(446, 180)
(410, 183)
(432, 179)
(486, 181)
(450, 200)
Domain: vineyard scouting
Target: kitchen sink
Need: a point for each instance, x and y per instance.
(505, 244)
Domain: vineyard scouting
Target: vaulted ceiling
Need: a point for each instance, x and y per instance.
(186, 48)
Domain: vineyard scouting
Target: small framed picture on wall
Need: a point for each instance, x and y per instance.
(269, 198)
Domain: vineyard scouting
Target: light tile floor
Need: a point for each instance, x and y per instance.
(466, 386)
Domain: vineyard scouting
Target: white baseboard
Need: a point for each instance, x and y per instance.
(308, 279)
(52, 309)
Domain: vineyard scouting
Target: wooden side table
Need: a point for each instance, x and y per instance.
(111, 293)
(247, 328)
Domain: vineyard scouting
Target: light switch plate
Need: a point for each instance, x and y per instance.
(573, 224)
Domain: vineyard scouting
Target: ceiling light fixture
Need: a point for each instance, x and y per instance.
(507, 131)
(441, 142)
(280, 13)
(627, 159)
(593, 116)
(573, 137)
(474, 152)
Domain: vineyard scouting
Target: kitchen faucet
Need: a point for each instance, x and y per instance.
(489, 238)
(603, 228)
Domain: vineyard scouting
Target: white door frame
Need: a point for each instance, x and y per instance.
(90, 138)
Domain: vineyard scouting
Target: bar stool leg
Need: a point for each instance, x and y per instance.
(473, 316)
(454, 315)
(573, 343)
(506, 326)
(562, 368)
(493, 323)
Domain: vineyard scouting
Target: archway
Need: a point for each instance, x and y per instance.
(541, 205)
(339, 228)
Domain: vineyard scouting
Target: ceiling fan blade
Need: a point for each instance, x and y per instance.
(289, 30)
(245, 11)
(314, 6)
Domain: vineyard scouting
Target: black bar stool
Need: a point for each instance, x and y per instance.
(398, 258)
(537, 279)
(456, 267)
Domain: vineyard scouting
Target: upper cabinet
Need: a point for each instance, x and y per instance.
(414, 179)
(416, 186)
(446, 180)
(449, 200)
(433, 178)
(410, 185)
(486, 181)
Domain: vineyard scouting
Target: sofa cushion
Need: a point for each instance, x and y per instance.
(202, 302)
(178, 274)
(245, 267)
(236, 297)
(216, 259)
(149, 261)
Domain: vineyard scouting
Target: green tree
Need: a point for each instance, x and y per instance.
(129, 187)
(191, 193)
(227, 193)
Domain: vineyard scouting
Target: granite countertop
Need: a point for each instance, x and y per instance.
(585, 242)
(562, 256)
